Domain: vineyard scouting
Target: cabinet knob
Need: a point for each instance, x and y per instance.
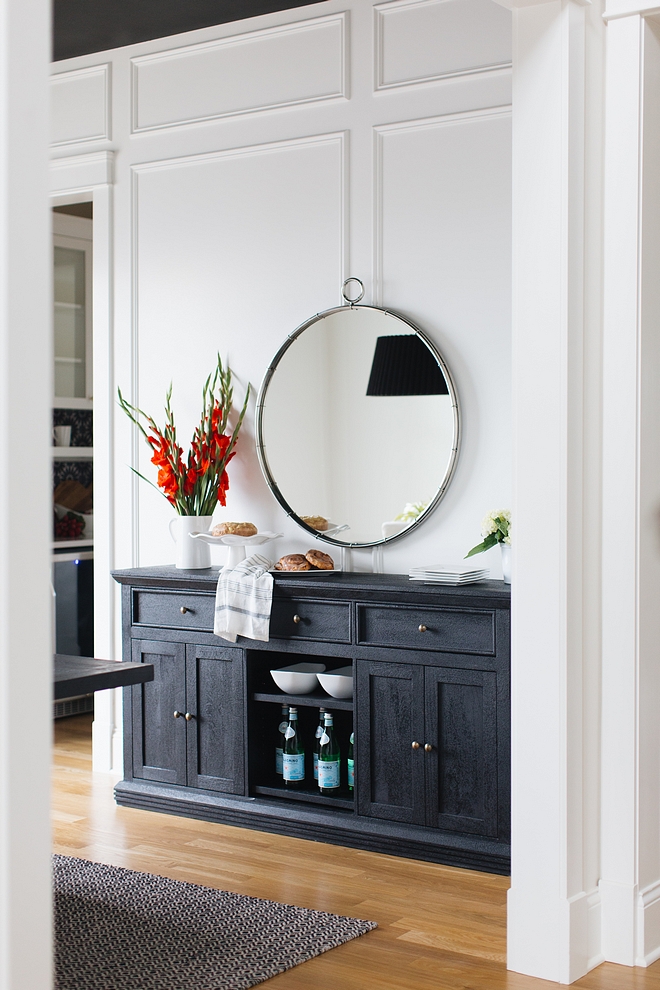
(415, 745)
(427, 747)
(422, 628)
(183, 610)
(188, 717)
(296, 619)
(178, 714)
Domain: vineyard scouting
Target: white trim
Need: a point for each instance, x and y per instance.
(629, 8)
(26, 646)
(648, 925)
(74, 175)
(92, 175)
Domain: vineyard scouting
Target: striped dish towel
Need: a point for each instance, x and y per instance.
(243, 600)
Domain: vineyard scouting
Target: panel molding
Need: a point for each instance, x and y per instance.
(381, 11)
(380, 133)
(340, 138)
(77, 75)
(246, 38)
(80, 172)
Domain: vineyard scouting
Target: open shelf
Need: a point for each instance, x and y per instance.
(308, 796)
(73, 453)
(317, 699)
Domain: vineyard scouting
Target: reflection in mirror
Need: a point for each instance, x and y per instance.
(357, 418)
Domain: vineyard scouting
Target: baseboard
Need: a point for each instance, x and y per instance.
(341, 828)
(118, 749)
(576, 923)
(618, 902)
(584, 949)
(648, 925)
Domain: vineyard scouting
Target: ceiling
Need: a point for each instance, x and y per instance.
(84, 26)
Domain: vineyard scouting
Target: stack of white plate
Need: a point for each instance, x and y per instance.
(463, 573)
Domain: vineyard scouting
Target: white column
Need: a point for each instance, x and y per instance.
(25, 498)
(630, 884)
(553, 907)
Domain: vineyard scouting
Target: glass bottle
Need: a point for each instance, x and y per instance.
(279, 749)
(329, 758)
(317, 743)
(351, 763)
(293, 755)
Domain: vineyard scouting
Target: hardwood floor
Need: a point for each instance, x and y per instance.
(440, 928)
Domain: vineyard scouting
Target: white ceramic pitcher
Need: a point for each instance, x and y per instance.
(191, 554)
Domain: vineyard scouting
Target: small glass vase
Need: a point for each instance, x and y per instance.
(506, 562)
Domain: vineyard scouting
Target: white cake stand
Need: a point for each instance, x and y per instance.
(236, 544)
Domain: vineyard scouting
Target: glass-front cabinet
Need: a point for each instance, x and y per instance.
(72, 246)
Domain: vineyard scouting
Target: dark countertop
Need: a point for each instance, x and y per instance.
(74, 676)
(494, 594)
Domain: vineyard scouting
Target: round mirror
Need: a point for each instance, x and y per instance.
(357, 423)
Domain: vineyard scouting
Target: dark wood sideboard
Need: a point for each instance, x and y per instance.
(431, 666)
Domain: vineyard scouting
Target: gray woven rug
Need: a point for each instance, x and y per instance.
(117, 929)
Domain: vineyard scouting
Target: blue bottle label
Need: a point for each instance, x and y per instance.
(278, 760)
(328, 773)
(293, 766)
(316, 766)
(351, 773)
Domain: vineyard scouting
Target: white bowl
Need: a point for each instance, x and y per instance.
(299, 678)
(337, 683)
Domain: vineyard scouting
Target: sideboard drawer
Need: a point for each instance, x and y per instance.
(173, 610)
(323, 622)
(422, 628)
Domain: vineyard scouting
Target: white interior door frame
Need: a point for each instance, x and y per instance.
(77, 179)
(26, 686)
(553, 907)
(630, 878)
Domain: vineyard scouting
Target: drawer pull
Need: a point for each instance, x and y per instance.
(422, 628)
(183, 610)
(178, 714)
(428, 747)
(296, 619)
(188, 717)
(415, 745)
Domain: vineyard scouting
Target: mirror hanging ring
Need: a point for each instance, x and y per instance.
(357, 422)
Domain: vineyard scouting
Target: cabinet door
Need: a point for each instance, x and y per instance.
(461, 768)
(390, 713)
(215, 700)
(159, 739)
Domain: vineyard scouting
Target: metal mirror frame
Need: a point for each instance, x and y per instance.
(261, 446)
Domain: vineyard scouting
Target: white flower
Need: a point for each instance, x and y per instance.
(488, 524)
(498, 522)
(411, 511)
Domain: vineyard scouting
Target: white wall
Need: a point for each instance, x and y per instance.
(261, 163)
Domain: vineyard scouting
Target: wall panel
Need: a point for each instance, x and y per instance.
(263, 70)
(442, 246)
(421, 41)
(226, 247)
(80, 106)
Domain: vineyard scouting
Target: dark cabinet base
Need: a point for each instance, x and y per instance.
(340, 828)
(429, 713)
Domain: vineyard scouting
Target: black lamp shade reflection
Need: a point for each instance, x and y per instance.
(403, 365)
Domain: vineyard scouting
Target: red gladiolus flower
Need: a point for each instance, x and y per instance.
(195, 486)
